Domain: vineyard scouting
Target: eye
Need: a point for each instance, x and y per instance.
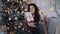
(32, 7)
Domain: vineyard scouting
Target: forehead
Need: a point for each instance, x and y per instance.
(31, 6)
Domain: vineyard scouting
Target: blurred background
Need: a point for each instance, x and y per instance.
(12, 17)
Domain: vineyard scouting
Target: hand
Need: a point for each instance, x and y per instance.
(31, 24)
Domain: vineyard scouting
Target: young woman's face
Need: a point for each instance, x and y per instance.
(32, 9)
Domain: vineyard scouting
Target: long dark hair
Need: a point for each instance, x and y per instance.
(37, 16)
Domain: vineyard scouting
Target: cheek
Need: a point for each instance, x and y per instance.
(32, 10)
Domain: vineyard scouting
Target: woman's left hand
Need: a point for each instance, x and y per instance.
(32, 24)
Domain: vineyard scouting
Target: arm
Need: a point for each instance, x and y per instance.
(44, 25)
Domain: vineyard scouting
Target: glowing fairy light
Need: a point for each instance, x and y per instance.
(9, 18)
(52, 9)
(18, 12)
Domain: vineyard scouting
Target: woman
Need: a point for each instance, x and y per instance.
(33, 25)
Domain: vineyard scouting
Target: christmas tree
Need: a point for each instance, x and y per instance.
(13, 13)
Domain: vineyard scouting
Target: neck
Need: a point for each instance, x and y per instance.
(33, 14)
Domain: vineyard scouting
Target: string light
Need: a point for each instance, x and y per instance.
(52, 9)
(18, 12)
(9, 18)
(16, 18)
(15, 27)
(6, 11)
